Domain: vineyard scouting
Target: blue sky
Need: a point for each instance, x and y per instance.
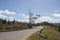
(46, 8)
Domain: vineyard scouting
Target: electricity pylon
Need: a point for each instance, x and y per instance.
(30, 18)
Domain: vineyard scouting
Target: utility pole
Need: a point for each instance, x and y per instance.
(30, 18)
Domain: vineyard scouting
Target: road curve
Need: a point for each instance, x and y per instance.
(18, 35)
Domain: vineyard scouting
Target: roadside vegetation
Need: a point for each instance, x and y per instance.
(50, 31)
(12, 25)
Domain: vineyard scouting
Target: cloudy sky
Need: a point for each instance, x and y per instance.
(19, 10)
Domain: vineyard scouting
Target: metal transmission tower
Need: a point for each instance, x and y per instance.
(30, 18)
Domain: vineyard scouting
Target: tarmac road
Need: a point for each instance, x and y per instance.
(18, 35)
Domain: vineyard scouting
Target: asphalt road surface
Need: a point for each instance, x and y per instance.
(18, 35)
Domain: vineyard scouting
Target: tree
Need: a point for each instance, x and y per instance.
(9, 22)
(4, 21)
(36, 17)
(32, 19)
(14, 21)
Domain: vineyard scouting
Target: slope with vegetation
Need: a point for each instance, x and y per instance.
(50, 31)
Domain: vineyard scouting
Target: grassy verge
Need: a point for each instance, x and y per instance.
(49, 31)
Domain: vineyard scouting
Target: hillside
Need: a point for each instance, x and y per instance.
(49, 31)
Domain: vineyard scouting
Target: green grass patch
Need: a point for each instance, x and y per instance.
(35, 37)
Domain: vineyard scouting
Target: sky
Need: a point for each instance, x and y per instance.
(19, 10)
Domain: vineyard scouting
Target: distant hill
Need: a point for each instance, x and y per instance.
(56, 24)
(52, 24)
(1, 20)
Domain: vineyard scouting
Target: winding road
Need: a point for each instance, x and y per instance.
(18, 35)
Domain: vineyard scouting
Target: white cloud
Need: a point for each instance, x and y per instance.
(47, 19)
(25, 21)
(22, 15)
(56, 15)
(7, 18)
(25, 16)
(22, 20)
(3, 16)
(7, 12)
(44, 18)
(56, 21)
(10, 18)
(41, 19)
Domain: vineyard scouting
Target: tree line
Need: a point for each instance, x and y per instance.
(12, 25)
